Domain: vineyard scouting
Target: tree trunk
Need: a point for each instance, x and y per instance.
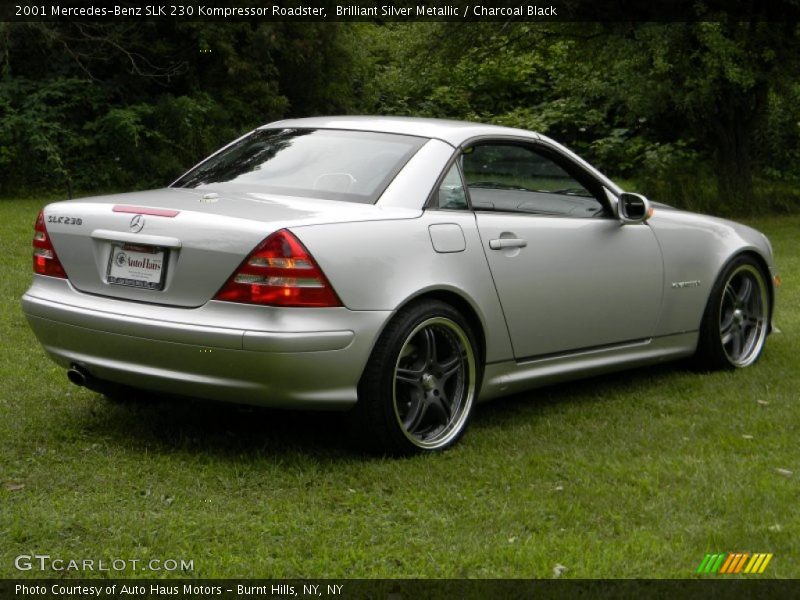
(739, 113)
(734, 170)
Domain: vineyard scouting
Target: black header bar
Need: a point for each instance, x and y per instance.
(405, 11)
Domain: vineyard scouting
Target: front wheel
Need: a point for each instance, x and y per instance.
(420, 384)
(736, 321)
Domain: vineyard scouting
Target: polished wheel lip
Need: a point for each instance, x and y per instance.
(743, 315)
(433, 380)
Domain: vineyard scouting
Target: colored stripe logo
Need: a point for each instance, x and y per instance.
(735, 562)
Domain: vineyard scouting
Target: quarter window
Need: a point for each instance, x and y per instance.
(451, 194)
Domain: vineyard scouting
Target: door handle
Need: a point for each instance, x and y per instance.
(503, 243)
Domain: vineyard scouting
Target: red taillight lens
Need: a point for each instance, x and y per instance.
(45, 259)
(279, 272)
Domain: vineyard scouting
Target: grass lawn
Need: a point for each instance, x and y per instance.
(632, 475)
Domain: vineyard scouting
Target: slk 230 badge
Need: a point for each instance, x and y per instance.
(64, 220)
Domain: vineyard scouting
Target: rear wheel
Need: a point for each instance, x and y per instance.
(420, 385)
(736, 320)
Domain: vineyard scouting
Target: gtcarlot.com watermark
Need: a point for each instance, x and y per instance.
(45, 562)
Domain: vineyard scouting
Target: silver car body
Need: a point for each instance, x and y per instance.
(583, 296)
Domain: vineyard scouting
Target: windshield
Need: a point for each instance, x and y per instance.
(354, 166)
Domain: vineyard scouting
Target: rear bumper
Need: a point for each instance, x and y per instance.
(296, 358)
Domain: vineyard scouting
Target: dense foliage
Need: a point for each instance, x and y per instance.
(692, 111)
(103, 106)
(702, 114)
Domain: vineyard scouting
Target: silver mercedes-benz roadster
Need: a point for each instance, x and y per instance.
(402, 268)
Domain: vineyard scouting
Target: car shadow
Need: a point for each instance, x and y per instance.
(167, 424)
(591, 390)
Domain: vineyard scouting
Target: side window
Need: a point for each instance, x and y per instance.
(517, 178)
(451, 194)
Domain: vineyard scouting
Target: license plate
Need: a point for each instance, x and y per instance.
(137, 266)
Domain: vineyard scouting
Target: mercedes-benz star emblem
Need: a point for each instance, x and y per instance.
(137, 223)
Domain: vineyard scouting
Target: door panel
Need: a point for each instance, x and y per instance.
(570, 283)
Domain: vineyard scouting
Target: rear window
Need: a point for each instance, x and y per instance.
(354, 166)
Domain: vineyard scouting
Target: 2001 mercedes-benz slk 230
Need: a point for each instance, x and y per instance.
(404, 268)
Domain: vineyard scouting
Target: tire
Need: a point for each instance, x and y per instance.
(419, 387)
(736, 320)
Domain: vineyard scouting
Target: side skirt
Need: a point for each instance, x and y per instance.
(511, 377)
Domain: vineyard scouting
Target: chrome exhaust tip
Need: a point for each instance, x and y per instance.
(77, 376)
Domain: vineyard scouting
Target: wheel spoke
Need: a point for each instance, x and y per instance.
(415, 414)
(730, 295)
(745, 290)
(737, 339)
(753, 306)
(442, 406)
(430, 346)
(450, 368)
(752, 321)
(748, 335)
(409, 376)
(753, 326)
(726, 324)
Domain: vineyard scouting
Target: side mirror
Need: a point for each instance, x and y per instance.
(633, 208)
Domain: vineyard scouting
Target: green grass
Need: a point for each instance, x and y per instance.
(632, 475)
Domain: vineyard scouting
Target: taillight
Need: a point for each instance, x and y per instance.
(45, 259)
(279, 272)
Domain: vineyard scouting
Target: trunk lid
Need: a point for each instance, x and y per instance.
(178, 246)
